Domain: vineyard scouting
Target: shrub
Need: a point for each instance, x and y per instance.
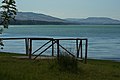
(67, 63)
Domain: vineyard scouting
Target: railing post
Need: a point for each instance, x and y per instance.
(52, 47)
(27, 46)
(77, 48)
(30, 50)
(86, 48)
(58, 49)
(81, 49)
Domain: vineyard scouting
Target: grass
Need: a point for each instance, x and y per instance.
(67, 63)
(24, 69)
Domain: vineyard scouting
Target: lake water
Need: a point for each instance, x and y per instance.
(104, 40)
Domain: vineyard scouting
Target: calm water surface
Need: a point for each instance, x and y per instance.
(104, 40)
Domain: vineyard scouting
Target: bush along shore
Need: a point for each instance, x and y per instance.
(64, 68)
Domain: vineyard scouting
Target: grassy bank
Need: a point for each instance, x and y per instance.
(24, 69)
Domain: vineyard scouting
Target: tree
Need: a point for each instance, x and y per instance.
(8, 12)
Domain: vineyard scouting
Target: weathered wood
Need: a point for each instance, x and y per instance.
(58, 49)
(70, 39)
(67, 50)
(30, 50)
(86, 47)
(80, 47)
(77, 48)
(44, 50)
(41, 47)
(52, 48)
(27, 45)
(41, 38)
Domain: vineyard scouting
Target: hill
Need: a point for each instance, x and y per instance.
(94, 21)
(30, 18)
(37, 17)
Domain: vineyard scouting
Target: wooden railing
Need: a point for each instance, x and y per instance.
(52, 41)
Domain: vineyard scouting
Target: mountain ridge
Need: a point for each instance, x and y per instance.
(36, 16)
(94, 20)
(31, 18)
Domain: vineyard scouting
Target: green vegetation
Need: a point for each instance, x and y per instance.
(67, 63)
(25, 69)
(9, 11)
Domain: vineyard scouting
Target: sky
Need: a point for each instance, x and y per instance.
(72, 8)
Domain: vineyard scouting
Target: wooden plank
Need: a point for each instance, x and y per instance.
(43, 51)
(27, 45)
(52, 47)
(86, 48)
(41, 47)
(30, 50)
(58, 49)
(67, 50)
(80, 45)
(41, 38)
(77, 48)
(71, 39)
